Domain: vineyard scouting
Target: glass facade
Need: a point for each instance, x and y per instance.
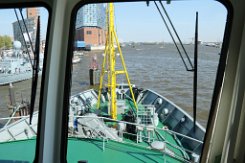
(31, 27)
(92, 15)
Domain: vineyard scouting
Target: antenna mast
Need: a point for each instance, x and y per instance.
(109, 64)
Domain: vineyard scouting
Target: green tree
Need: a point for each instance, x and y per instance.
(1, 42)
(5, 42)
(8, 42)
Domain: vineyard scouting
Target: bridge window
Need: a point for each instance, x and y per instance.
(18, 50)
(150, 47)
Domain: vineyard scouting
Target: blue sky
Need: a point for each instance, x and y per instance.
(7, 17)
(137, 22)
(144, 23)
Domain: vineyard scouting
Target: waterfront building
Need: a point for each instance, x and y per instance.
(94, 36)
(91, 15)
(90, 24)
(32, 12)
(31, 24)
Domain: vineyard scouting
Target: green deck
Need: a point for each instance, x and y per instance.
(167, 136)
(90, 150)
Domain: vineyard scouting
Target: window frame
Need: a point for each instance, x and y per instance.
(8, 5)
(88, 32)
(217, 84)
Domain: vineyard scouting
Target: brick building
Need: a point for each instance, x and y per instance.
(91, 35)
(90, 24)
(32, 12)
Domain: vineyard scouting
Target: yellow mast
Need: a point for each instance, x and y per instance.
(109, 62)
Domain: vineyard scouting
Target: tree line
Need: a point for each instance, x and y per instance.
(5, 42)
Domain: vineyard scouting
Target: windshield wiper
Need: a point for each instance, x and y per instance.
(35, 69)
(22, 34)
(36, 53)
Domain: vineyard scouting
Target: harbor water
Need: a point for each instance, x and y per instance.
(154, 66)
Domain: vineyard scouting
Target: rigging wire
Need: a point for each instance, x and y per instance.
(26, 29)
(176, 34)
(35, 64)
(171, 36)
(193, 67)
(18, 20)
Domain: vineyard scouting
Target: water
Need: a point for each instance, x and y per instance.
(157, 67)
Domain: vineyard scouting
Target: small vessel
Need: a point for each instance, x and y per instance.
(76, 59)
(14, 66)
(14, 70)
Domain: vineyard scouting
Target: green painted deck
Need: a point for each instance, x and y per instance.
(169, 138)
(90, 150)
(22, 150)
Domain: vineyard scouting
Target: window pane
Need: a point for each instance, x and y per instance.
(132, 89)
(18, 33)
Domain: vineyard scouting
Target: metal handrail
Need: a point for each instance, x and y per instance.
(157, 128)
(118, 121)
(182, 149)
(19, 117)
(141, 125)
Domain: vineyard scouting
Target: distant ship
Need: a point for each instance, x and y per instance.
(76, 59)
(14, 66)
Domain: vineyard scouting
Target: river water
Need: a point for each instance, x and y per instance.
(158, 67)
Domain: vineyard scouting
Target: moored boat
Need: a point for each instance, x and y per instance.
(15, 67)
(76, 59)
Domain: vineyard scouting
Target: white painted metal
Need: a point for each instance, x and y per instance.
(222, 136)
(20, 129)
(51, 118)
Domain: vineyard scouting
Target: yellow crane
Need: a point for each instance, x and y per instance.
(109, 63)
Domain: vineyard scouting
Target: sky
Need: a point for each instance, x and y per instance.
(137, 22)
(7, 17)
(144, 23)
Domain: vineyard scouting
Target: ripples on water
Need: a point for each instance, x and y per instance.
(151, 66)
